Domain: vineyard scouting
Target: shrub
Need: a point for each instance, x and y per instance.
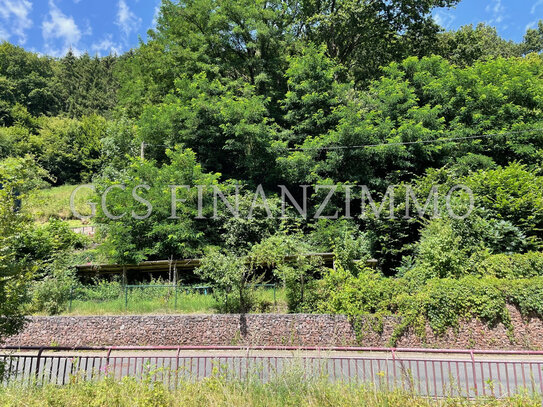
(100, 291)
(440, 303)
(51, 294)
(512, 265)
(233, 281)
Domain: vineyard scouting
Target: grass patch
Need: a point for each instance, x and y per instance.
(186, 303)
(55, 202)
(109, 299)
(285, 391)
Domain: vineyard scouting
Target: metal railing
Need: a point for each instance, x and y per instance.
(429, 373)
(85, 230)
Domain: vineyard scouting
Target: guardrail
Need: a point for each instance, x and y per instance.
(426, 372)
(85, 230)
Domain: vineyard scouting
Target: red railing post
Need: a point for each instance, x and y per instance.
(393, 367)
(177, 366)
(38, 360)
(474, 374)
(106, 371)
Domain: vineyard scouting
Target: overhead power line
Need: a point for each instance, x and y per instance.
(407, 143)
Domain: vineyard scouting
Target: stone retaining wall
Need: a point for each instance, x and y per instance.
(263, 329)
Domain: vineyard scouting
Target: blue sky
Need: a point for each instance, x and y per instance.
(103, 26)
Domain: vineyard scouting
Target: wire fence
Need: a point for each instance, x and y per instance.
(432, 373)
(167, 296)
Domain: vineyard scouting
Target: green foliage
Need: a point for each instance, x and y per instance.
(233, 280)
(468, 45)
(513, 194)
(225, 122)
(342, 293)
(75, 86)
(245, 40)
(69, 149)
(426, 99)
(440, 252)
(533, 39)
(386, 31)
(440, 303)
(239, 234)
(313, 94)
(17, 177)
(27, 79)
(45, 244)
(291, 388)
(344, 239)
(511, 266)
(153, 234)
(288, 255)
(49, 248)
(87, 84)
(235, 94)
(51, 294)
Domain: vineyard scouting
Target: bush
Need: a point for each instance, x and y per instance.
(233, 280)
(512, 265)
(51, 295)
(100, 291)
(439, 302)
(340, 292)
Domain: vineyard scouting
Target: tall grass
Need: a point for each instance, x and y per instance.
(289, 390)
(110, 298)
(139, 304)
(55, 202)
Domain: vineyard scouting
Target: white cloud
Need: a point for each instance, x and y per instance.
(106, 46)
(535, 6)
(444, 18)
(14, 15)
(155, 15)
(58, 26)
(531, 24)
(126, 19)
(497, 9)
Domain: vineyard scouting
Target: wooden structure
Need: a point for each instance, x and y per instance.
(187, 265)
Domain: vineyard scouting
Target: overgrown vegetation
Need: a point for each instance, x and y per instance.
(70, 297)
(288, 390)
(245, 97)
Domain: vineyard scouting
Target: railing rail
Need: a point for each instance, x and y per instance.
(283, 348)
(426, 372)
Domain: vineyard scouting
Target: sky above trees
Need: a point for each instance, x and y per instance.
(103, 26)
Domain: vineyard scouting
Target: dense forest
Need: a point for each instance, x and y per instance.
(240, 94)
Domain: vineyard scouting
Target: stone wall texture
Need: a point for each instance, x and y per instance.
(265, 329)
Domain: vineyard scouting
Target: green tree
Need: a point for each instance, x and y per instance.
(155, 232)
(17, 177)
(87, 85)
(533, 39)
(468, 45)
(313, 94)
(27, 79)
(224, 122)
(233, 280)
(234, 39)
(363, 36)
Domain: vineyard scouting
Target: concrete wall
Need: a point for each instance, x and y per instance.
(263, 329)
